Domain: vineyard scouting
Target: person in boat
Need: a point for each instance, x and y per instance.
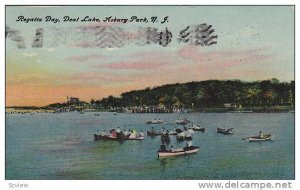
(189, 133)
(152, 130)
(142, 133)
(103, 133)
(172, 148)
(118, 130)
(163, 131)
(261, 135)
(113, 134)
(188, 145)
(132, 134)
(125, 132)
(163, 148)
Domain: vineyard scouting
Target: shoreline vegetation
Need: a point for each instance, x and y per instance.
(211, 96)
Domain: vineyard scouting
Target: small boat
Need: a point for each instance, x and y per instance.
(195, 127)
(177, 152)
(104, 137)
(118, 137)
(155, 121)
(259, 139)
(152, 133)
(136, 138)
(225, 131)
(96, 114)
(176, 131)
(182, 121)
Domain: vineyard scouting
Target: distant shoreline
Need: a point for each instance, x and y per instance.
(270, 109)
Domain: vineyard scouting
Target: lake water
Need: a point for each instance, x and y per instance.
(61, 146)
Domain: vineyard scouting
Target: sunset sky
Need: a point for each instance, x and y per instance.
(254, 43)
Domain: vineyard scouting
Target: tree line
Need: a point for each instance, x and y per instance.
(210, 93)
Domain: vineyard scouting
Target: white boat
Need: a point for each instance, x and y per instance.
(259, 139)
(177, 152)
(195, 127)
(155, 121)
(182, 121)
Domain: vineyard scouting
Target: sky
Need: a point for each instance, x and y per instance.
(254, 43)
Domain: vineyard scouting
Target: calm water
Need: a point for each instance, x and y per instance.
(61, 146)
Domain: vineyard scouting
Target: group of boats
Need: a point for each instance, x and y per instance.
(182, 121)
(182, 134)
(119, 135)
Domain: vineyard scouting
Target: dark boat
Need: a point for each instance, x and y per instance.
(225, 131)
(195, 127)
(118, 137)
(152, 133)
(103, 137)
(182, 121)
(176, 131)
(177, 152)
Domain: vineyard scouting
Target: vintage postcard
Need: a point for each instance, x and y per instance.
(150, 93)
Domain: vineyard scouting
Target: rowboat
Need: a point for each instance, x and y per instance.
(119, 137)
(104, 137)
(182, 121)
(180, 151)
(152, 133)
(225, 131)
(135, 138)
(195, 127)
(259, 139)
(155, 121)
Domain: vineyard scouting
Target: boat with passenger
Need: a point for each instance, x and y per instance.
(163, 152)
(182, 121)
(261, 137)
(155, 121)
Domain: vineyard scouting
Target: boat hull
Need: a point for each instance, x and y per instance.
(155, 122)
(118, 138)
(225, 131)
(178, 152)
(152, 134)
(258, 139)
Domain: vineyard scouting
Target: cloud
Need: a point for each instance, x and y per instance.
(149, 60)
(101, 76)
(86, 58)
(137, 65)
(227, 57)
